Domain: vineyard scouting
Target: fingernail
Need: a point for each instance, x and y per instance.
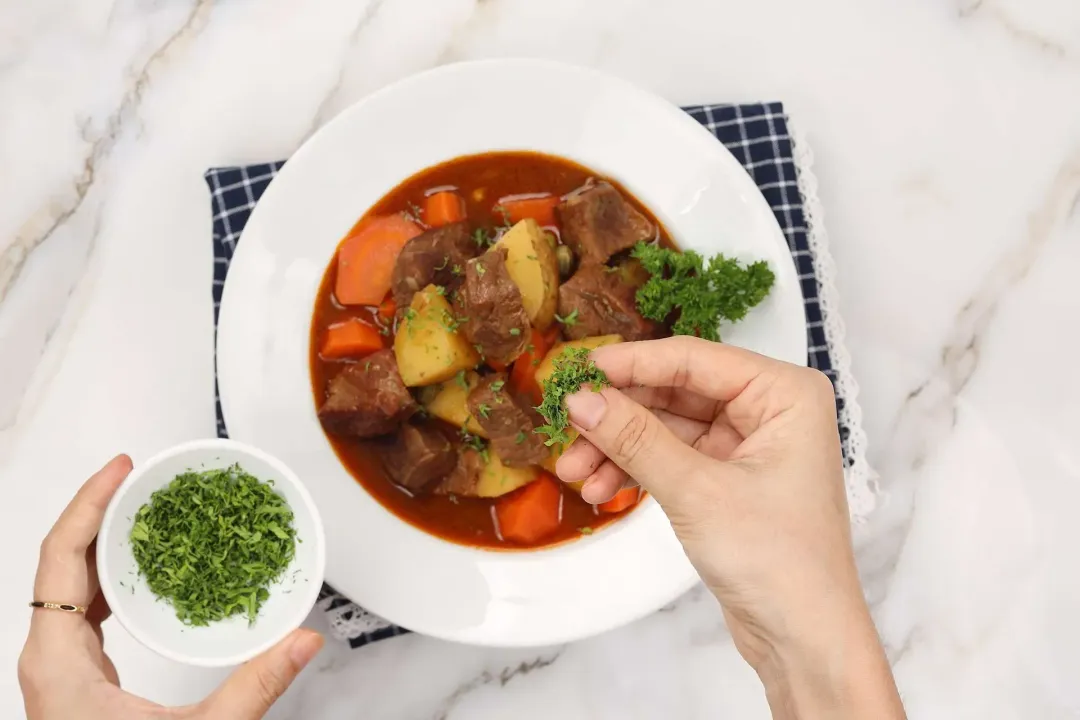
(586, 408)
(305, 646)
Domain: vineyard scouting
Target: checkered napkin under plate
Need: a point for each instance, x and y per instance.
(760, 137)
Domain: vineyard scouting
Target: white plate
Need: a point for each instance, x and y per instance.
(675, 167)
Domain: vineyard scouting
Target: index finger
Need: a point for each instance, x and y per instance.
(712, 369)
(62, 568)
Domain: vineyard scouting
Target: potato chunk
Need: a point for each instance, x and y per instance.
(553, 457)
(534, 268)
(497, 479)
(428, 346)
(450, 403)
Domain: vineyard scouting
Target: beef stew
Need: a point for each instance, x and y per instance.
(426, 375)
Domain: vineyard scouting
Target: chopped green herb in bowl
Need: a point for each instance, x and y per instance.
(211, 543)
(211, 552)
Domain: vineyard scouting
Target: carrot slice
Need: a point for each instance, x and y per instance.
(366, 259)
(351, 338)
(625, 498)
(532, 513)
(443, 208)
(523, 374)
(387, 308)
(540, 209)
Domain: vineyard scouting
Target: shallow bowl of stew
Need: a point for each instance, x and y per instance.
(400, 293)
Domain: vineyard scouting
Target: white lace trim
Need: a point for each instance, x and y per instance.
(860, 478)
(350, 620)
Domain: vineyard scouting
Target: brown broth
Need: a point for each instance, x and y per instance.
(481, 180)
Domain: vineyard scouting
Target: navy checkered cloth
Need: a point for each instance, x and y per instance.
(756, 134)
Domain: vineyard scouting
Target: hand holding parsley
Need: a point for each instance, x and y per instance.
(63, 669)
(743, 455)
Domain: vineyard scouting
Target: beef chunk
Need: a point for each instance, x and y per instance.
(431, 258)
(465, 476)
(367, 398)
(419, 455)
(508, 424)
(597, 222)
(491, 303)
(604, 300)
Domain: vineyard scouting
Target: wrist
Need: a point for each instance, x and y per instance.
(834, 670)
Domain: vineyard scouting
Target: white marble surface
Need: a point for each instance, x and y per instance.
(947, 135)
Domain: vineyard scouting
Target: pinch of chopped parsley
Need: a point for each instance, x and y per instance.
(515, 331)
(483, 410)
(520, 437)
(573, 370)
(480, 269)
(703, 295)
(456, 270)
(461, 380)
(497, 385)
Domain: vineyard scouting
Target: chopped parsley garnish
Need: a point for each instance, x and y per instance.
(480, 269)
(448, 321)
(440, 290)
(481, 237)
(573, 370)
(520, 437)
(504, 213)
(497, 385)
(474, 441)
(585, 530)
(483, 410)
(456, 270)
(570, 320)
(460, 379)
(211, 543)
(515, 331)
(479, 350)
(702, 295)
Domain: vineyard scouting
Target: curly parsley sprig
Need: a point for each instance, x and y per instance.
(703, 295)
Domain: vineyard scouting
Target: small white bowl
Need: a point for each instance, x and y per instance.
(153, 622)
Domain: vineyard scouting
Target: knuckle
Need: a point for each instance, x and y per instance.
(271, 684)
(634, 436)
(48, 547)
(818, 382)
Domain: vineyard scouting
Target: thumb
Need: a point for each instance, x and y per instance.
(633, 438)
(255, 686)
